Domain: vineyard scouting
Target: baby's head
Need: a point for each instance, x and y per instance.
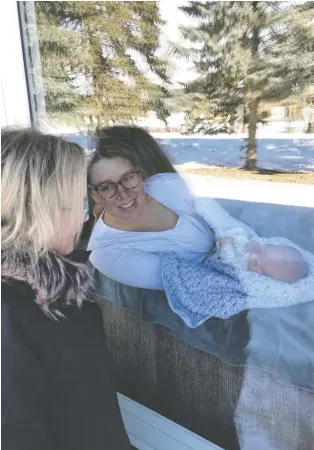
(280, 262)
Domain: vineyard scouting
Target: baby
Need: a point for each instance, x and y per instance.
(279, 262)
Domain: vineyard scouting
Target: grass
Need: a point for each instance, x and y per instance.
(258, 174)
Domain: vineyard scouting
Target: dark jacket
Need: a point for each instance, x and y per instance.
(57, 387)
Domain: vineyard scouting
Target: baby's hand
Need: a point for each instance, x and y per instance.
(225, 240)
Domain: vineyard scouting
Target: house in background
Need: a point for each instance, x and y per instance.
(290, 117)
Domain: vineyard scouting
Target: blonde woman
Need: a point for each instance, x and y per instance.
(57, 386)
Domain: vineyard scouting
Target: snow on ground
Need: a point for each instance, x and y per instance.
(260, 135)
(292, 152)
(286, 153)
(281, 153)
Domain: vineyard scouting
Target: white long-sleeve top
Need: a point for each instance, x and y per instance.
(132, 257)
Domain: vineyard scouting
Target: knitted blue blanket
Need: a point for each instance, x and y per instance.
(197, 292)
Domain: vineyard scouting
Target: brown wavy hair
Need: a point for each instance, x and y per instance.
(134, 144)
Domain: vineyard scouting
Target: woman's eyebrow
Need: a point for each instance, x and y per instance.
(103, 182)
(111, 181)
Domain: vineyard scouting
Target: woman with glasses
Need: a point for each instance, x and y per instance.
(145, 211)
(57, 387)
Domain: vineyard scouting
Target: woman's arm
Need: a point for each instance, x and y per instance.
(131, 267)
(217, 217)
(187, 191)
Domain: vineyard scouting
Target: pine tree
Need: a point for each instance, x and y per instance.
(201, 115)
(61, 60)
(96, 56)
(249, 52)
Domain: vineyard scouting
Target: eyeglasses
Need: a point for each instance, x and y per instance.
(108, 190)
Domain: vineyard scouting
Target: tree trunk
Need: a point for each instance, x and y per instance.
(242, 108)
(250, 163)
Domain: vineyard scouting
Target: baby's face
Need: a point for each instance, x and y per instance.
(255, 264)
(277, 262)
(254, 250)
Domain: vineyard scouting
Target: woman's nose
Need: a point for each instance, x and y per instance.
(122, 193)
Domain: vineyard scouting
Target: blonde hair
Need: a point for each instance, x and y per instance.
(42, 176)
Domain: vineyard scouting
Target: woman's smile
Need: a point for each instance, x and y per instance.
(128, 205)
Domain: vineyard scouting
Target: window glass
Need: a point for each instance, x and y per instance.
(227, 89)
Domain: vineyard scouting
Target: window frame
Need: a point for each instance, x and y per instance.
(14, 93)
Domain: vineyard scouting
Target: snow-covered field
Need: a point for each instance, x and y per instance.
(283, 152)
(295, 154)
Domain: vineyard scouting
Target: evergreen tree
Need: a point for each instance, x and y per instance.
(249, 52)
(100, 58)
(61, 60)
(201, 115)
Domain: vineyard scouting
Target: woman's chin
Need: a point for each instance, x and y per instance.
(66, 250)
(69, 244)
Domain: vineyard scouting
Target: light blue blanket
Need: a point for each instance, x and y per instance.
(197, 292)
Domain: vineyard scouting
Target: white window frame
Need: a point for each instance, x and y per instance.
(14, 99)
(148, 430)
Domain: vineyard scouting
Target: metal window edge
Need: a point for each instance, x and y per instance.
(148, 430)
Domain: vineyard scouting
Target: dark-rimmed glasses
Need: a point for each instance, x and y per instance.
(109, 189)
